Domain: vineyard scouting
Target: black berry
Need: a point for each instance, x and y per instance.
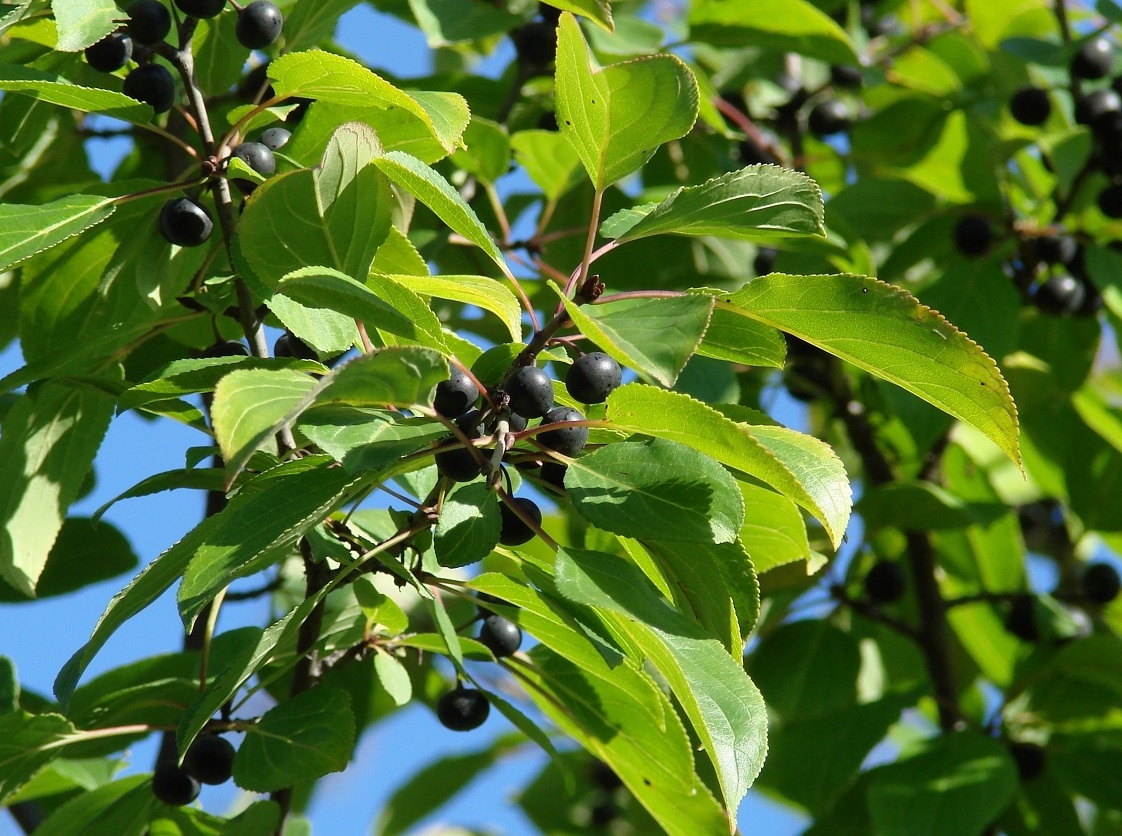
(844, 75)
(110, 53)
(500, 635)
(1093, 60)
(257, 156)
(227, 348)
(1031, 106)
(200, 8)
(1057, 249)
(1029, 758)
(753, 153)
(1100, 583)
(463, 709)
(530, 391)
(535, 43)
(484, 599)
(173, 785)
(1021, 618)
(456, 395)
(210, 759)
(568, 441)
(1061, 295)
(829, 117)
(1110, 201)
(185, 222)
(458, 464)
(592, 377)
(275, 138)
(553, 474)
(973, 235)
(149, 22)
(765, 260)
(1097, 108)
(514, 530)
(259, 24)
(886, 582)
(290, 345)
(604, 776)
(151, 84)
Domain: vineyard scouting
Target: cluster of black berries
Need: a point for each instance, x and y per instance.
(209, 760)
(529, 395)
(149, 23)
(185, 222)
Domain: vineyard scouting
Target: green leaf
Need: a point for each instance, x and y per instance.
(429, 789)
(401, 376)
(469, 524)
(618, 116)
(301, 739)
(487, 150)
(202, 478)
(122, 807)
(311, 22)
(737, 339)
(780, 25)
(773, 533)
(481, 291)
(27, 230)
(366, 439)
(82, 23)
(393, 677)
(958, 784)
(49, 441)
(335, 215)
(57, 90)
(447, 22)
(884, 330)
(652, 336)
(550, 161)
(28, 742)
(598, 11)
(248, 404)
(84, 553)
(437, 194)
(724, 707)
(923, 506)
(254, 523)
(190, 377)
(798, 466)
(807, 668)
(9, 686)
(656, 489)
(758, 201)
(219, 58)
(235, 548)
(333, 78)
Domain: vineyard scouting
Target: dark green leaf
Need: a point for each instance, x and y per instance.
(469, 524)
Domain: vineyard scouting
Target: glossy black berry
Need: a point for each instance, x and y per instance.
(1097, 107)
(257, 156)
(185, 222)
(886, 582)
(553, 474)
(1110, 201)
(829, 117)
(259, 24)
(151, 84)
(1057, 249)
(1029, 758)
(566, 440)
(289, 345)
(456, 395)
(458, 464)
(173, 785)
(483, 600)
(1100, 583)
(1021, 618)
(1060, 295)
(227, 348)
(1094, 59)
(514, 530)
(535, 43)
(200, 8)
(110, 53)
(500, 635)
(210, 759)
(592, 377)
(973, 235)
(149, 22)
(844, 75)
(1031, 106)
(530, 391)
(463, 709)
(765, 260)
(275, 138)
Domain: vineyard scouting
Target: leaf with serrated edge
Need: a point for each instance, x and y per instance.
(28, 742)
(481, 291)
(773, 533)
(617, 117)
(757, 201)
(248, 403)
(889, 333)
(58, 90)
(723, 705)
(800, 467)
(82, 23)
(27, 230)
